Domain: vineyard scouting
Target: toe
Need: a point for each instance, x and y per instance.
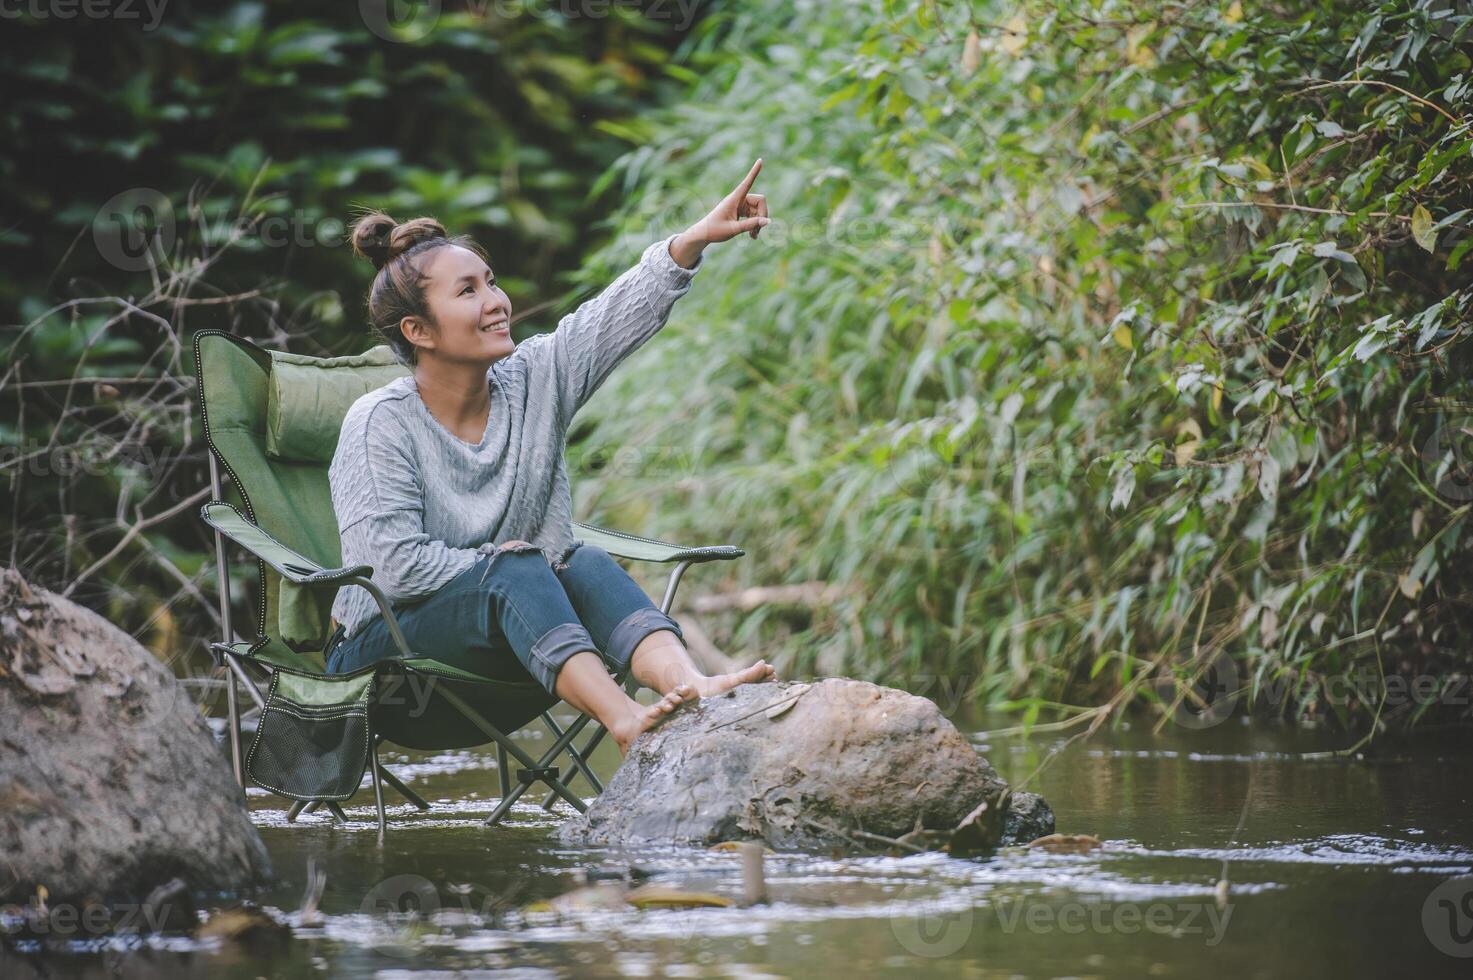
(675, 698)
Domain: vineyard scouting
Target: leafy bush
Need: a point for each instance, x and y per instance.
(1092, 342)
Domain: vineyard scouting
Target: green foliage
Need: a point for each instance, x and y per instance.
(1090, 340)
(264, 124)
(241, 137)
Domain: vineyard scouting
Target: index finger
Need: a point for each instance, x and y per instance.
(746, 184)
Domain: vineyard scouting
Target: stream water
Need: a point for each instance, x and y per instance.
(1334, 867)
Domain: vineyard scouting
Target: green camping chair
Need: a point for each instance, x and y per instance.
(271, 420)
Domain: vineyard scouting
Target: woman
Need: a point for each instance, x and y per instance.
(452, 484)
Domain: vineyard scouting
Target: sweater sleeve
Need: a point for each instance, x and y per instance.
(379, 500)
(591, 341)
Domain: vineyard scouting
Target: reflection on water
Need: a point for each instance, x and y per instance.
(1345, 868)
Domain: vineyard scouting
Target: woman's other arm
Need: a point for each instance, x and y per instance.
(379, 501)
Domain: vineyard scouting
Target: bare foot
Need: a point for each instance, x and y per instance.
(757, 673)
(643, 719)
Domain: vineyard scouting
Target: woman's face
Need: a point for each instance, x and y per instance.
(472, 315)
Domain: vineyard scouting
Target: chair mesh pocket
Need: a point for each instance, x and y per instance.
(312, 740)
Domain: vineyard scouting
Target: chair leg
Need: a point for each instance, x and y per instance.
(232, 703)
(588, 747)
(525, 760)
(502, 768)
(302, 806)
(378, 788)
(503, 806)
(548, 762)
(630, 688)
(573, 752)
(397, 786)
(222, 581)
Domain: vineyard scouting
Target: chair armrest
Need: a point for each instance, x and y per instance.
(624, 545)
(293, 566)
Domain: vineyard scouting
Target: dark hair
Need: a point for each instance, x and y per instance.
(398, 288)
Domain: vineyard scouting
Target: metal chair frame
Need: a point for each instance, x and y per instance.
(543, 769)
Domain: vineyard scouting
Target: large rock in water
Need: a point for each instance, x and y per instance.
(110, 782)
(804, 766)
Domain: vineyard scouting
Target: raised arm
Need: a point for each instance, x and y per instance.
(595, 338)
(592, 340)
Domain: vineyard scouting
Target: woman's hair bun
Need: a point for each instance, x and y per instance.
(380, 239)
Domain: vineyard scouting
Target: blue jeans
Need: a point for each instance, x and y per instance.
(511, 614)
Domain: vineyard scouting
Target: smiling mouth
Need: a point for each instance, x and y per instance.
(497, 326)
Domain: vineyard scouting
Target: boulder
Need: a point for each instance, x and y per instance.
(111, 785)
(831, 763)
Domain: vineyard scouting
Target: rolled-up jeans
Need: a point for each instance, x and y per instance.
(511, 615)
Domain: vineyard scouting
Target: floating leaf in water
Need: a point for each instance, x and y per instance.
(736, 846)
(246, 926)
(663, 896)
(605, 895)
(1066, 843)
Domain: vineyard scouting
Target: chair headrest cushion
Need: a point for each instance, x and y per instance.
(309, 396)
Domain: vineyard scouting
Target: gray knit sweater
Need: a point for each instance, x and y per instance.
(421, 505)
